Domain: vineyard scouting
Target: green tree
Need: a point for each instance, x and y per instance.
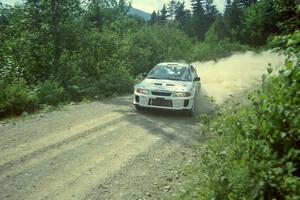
(5, 14)
(163, 15)
(198, 19)
(218, 31)
(211, 12)
(51, 27)
(258, 23)
(288, 17)
(172, 6)
(95, 13)
(247, 3)
(183, 17)
(232, 17)
(124, 7)
(154, 18)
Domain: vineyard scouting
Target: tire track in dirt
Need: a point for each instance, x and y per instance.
(154, 165)
(66, 170)
(60, 149)
(80, 176)
(71, 164)
(27, 150)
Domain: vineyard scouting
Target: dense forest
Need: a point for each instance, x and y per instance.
(58, 51)
(55, 51)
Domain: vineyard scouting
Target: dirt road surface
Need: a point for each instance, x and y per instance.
(107, 150)
(100, 150)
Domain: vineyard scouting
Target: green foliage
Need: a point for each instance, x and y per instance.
(258, 22)
(50, 92)
(16, 97)
(255, 149)
(163, 15)
(198, 20)
(96, 49)
(213, 50)
(153, 44)
(279, 127)
(89, 53)
(171, 43)
(97, 69)
(252, 22)
(288, 15)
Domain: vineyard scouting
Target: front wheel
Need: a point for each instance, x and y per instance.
(191, 112)
(138, 107)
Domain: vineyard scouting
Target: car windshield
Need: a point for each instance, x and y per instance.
(170, 72)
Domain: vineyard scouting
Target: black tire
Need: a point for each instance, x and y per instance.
(138, 107)
(191, 112)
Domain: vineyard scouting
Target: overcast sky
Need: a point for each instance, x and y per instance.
(145, 5)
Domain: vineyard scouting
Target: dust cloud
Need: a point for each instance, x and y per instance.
(235, 74)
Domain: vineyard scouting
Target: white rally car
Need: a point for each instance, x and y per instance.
(171, 86)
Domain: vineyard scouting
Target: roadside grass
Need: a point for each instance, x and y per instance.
(253, 151)
(220, 167)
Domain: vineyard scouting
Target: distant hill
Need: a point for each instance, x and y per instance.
(134, 11)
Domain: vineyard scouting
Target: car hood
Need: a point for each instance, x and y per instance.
(165, 85)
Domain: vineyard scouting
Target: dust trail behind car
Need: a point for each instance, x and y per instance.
(234, 74)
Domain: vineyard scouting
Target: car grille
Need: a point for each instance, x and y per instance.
(164, 94)
(161, 102)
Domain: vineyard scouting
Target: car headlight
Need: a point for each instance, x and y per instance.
(182, 94)
(142, 91)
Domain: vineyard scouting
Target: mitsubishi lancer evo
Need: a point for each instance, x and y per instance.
(172, 86)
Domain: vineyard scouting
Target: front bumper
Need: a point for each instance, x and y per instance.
(163, 102)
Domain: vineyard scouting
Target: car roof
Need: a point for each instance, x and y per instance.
(174, 63)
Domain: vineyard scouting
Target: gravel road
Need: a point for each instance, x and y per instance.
(100, 150)
(107, 150)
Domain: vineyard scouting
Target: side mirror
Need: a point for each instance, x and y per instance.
(197, 79)
(144, 74)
